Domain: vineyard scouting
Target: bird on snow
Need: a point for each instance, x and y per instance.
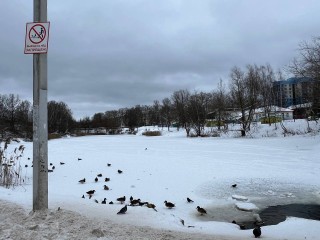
(201, 210)
(111, 202)
(169, 204)
(104, 201)
(61, 163)
(51, 164)
(234, 185)
(135, 202)
(257, 232)
(107, 179)
(79, 159)
(96, 179)
(82, 196)
(119, 171)
(189, 200)
(121, 199)
(53, 167)
(82, 180)
(105, 187)
(151, 205)
(99, 175)
(123, 210)
(131, 198)
(91, 192)
(109, 164)
(96, 201)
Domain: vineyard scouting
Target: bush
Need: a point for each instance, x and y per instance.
(151, 133)
(10, 168)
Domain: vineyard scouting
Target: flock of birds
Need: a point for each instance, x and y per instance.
(137, 202)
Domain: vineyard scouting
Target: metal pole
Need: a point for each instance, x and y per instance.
(40, 118)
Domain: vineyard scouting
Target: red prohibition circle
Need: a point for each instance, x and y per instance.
(37, 35)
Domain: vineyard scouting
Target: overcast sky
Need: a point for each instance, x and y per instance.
(108, 54)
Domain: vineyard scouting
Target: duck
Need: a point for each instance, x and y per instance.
(111, 202)
(121, 199)
(96, 179)
(104, 201)
(151, 205)
(123, 210)
(201, 210)
(62, 163)
(131, 198)
(234, 185)
(189, 200)
(99, 175)
(134, 202)
(257, 232)
(82, 196)
(79, 159)
(105, 187)
(109, 164)
(107, 179)
(90, 192)
(169, 204)
(119, 171)
(82, 180)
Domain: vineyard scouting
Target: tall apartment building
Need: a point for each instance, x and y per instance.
(293, 91)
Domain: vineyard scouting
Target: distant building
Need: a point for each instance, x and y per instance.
(293, 91)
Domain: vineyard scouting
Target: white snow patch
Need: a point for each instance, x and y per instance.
(249, 207)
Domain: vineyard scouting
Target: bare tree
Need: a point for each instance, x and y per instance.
(59, 117)
(166, 112)
(198, 111)
(180, 101)
(244, 89)
(308, 65)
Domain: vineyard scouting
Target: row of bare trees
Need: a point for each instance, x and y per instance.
(16, 117)
(246, 90)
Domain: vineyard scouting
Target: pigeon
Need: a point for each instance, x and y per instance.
(62, 163)
(169, 204)
(189, 200)
(123, 210)
(104, 201)
(105, 187)
(96, 179)
(121, 199)
(234, 185)
(82, 196)
(107, 179)
(109, 164)
(99, 175)
(119, 171)
(201, 210)
(79, 159)
(82, 180)
(91, 192)
(257, 232)
(134, 202)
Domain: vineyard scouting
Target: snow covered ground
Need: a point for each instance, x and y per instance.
(268, 168)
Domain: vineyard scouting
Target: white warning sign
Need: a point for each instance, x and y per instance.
(37, 37)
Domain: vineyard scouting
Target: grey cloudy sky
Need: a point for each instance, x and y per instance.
(108, 54)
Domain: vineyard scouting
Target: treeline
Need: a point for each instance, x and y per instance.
(246, 90)
(16, 117)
